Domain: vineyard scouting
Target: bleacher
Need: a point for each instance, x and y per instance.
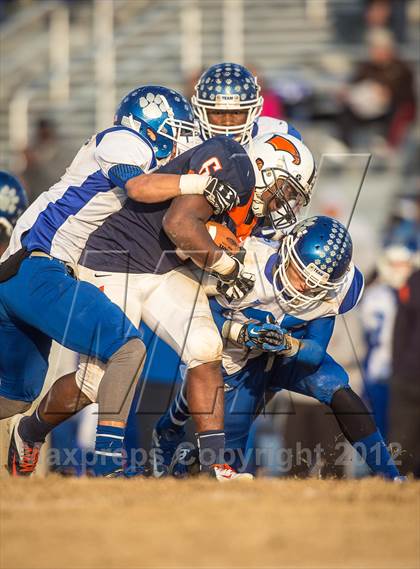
(148, 40)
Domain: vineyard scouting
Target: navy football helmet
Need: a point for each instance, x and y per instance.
(320, 251)
(160, 115)
(13, 201)
(227, 87)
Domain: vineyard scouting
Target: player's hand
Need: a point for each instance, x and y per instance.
(221, 196)
(236, 284)
(267, 337)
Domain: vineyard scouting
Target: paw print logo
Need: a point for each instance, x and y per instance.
(8, 200)
(153, 106)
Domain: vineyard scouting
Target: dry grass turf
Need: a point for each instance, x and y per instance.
(60, 523)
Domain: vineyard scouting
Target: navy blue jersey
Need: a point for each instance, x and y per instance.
(133, 241)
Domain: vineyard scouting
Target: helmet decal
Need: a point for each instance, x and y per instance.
(153, 106)
(281, 143)
(9, 200)
(161, 115)
(13, 200)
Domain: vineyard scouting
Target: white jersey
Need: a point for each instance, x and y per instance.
(377, 312)
(60, 221)
(269, 124)
(259, 260)
(261, 126)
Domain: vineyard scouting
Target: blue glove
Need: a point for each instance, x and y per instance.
(267, 337)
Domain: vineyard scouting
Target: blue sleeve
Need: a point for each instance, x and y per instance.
(315, 342)
(121, 173)
(217, 312)
(258, 315)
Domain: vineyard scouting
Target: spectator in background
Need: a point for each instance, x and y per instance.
(9, 8)
(352, 19)
(377, 313)
(405, 384)
(273, 106)
(381, 93)
(45, 159)
(390, 14)
(404, 223)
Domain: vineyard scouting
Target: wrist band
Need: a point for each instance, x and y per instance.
(232, 331)
(224, 266)
(192, 184)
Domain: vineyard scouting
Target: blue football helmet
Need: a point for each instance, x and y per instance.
(160, 115)
(13, 201)
(227, 87)
(320, 251)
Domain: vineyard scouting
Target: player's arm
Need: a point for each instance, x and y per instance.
(185, 224)
(261, 332)
(309, 351)
(123, 158)
(156, 188)
(313, 346)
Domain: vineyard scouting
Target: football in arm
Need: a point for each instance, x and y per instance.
(223, 237)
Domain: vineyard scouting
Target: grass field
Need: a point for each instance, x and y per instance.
(79, 523)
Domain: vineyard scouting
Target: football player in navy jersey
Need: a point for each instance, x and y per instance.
(131, 254)
(40, 298)
(132, 247)
(277, 338)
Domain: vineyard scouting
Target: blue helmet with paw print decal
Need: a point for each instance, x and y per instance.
(160, 115)
(13, 201)
(227, 87)
(320, 251)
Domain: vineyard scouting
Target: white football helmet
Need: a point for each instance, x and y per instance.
(285, 167)
(395, 265)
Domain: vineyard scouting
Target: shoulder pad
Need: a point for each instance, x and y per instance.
(354, 292)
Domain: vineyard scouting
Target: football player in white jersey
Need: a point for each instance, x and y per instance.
(378, 311)
(227, 100)
(40, 299)
(277, 338)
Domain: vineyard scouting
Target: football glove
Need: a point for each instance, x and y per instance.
(267, 337)
(221, 196)
(236, 284)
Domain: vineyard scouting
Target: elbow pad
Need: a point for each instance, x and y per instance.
(121, 173)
